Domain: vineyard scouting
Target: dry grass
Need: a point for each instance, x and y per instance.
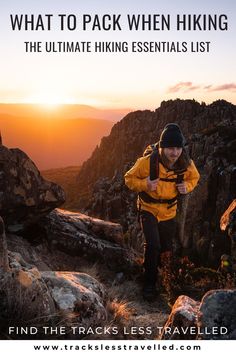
(92, 270)
(120, 311)
(119, 306)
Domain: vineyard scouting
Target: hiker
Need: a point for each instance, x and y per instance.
(164, 172)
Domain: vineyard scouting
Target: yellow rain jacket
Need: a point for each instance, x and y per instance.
(136, 180)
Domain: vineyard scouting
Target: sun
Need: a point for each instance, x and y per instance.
(49, 100)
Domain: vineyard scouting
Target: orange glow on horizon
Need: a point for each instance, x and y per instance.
(49, 100)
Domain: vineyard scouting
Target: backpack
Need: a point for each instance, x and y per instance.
(153, 151)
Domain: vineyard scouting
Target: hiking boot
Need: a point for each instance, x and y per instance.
(150, 293)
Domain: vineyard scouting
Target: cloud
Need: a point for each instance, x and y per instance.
(179, 87)
(183, 86)
(224, 87)
(208, 87)
(192, 88)
(189, 86)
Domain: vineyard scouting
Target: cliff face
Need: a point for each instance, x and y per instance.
(24, 195)
(211, 134)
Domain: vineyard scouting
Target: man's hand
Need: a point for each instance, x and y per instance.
(182, 188)
(152, 185)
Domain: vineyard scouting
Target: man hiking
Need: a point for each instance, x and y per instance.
(164, 172)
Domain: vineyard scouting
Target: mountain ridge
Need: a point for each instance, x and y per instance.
(210, 131)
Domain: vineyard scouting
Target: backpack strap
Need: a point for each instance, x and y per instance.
(148, 199)
(154, 164)
(178, 179)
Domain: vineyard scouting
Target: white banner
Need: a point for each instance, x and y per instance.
(116, 346)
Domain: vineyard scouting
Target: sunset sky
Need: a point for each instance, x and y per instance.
(117, 80)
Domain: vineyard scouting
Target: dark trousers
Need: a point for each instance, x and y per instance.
(158, 239)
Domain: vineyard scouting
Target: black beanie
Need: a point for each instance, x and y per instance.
(172, 136)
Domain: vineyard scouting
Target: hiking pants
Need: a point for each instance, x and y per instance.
(158, 239)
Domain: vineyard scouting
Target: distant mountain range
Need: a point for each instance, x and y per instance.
(73, 111)
(56, 137)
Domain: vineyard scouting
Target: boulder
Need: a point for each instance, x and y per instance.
(227, 217)
(29, 297)
(212, 318)
(182, 322)
(78, 234)
(79, 295)
(24, 296)
(24, 195)
(228, 224)
(218, 310)
(37, 254)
